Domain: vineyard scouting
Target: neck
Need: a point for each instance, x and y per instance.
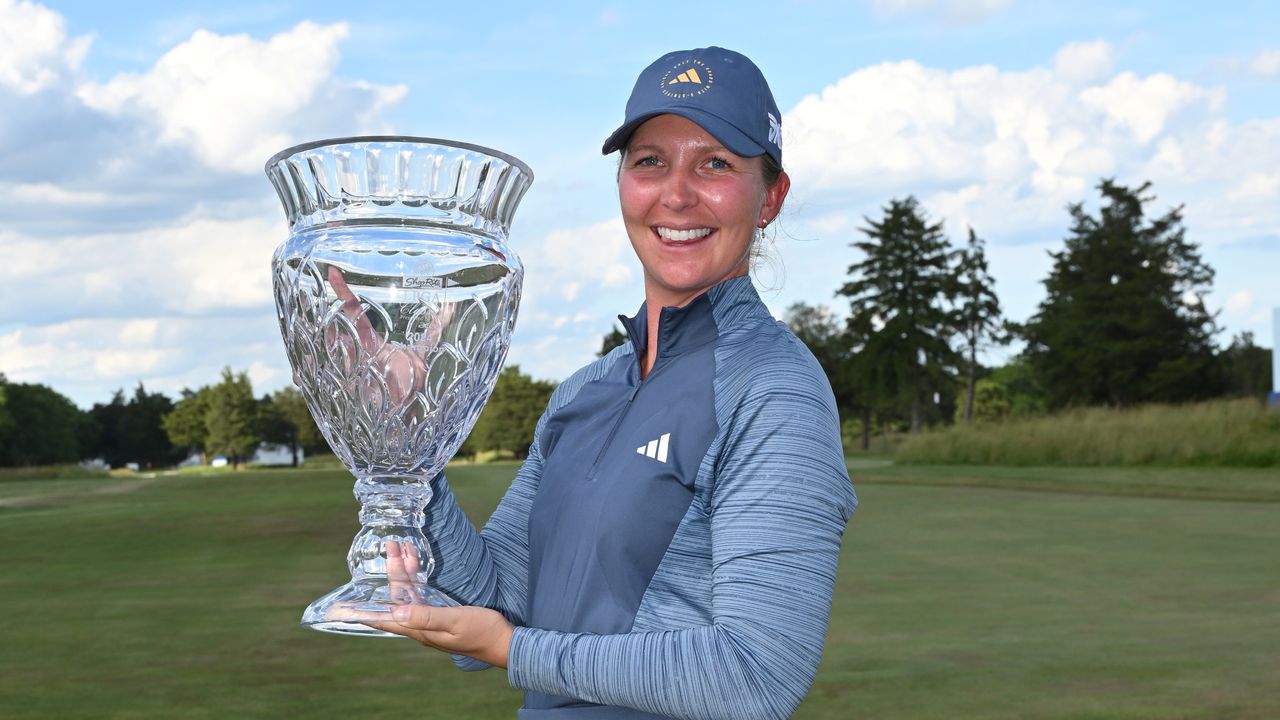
(653, 315)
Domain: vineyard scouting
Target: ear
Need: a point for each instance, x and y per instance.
(773, 199)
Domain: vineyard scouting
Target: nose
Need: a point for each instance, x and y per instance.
(678, 192)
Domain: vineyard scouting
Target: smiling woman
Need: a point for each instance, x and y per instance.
(669, 547)
(691, 207)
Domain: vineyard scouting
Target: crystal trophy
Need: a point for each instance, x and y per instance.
(396, 294)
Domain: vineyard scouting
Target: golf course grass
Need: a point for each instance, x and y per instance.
(964, 592)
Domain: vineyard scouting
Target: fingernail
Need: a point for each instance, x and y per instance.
(400, 614)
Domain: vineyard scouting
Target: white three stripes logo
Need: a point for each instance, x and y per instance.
(656, 449)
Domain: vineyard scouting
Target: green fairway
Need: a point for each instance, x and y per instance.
(961, 595)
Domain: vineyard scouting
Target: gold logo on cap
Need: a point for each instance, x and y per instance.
(687, 79)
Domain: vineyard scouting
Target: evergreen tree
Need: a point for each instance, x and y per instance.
(977, 312)
(900, 296)
(140, 430)
(232, 418)
(615, 338)
(106, 425)
(1124, 320)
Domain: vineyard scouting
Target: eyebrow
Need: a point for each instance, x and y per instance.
(655, 148)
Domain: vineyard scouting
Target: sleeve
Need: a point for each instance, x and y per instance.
(778, 510)
(489, 568)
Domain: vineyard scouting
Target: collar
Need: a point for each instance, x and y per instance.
(696, 323)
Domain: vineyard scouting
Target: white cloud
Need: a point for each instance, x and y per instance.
(1007, 151)
(237, 100)
(1258, 186)
(195, 267)
(34, 49)
(87, 358)
(569, 260)
(1084, 62)
(1240, 303)
(48, 193)
(1266, 64)
(1144, 105)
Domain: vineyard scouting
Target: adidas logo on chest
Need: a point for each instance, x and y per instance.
(656, 448)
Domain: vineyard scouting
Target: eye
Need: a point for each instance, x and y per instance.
(646, 161)
(719, 163)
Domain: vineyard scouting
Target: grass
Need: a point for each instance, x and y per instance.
(955, 599)
(1220, 433)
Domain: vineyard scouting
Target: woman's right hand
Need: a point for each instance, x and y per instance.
(403, 368)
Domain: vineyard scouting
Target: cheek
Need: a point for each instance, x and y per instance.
(631, 196)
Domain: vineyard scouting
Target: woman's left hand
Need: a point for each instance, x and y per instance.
(476, 632)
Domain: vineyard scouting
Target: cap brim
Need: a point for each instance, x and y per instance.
(734, 140)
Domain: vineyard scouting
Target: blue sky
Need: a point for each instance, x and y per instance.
(136, 225)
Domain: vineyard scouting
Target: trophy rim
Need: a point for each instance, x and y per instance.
(407, 139)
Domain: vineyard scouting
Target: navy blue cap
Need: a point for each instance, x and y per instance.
(720, 90)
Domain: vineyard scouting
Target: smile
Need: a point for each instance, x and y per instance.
(682, 235)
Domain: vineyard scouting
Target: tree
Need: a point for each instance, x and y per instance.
(6, 417)
(614, 339)
(1123, 320)
(1246, 368)
(232, 418)
(509, 418)
(187, 423)
(43, 426)
(283, 419)
(290, 402)
(105, 435)
(899, 297)
(977, 312)
(1025, 397)
(140, 432)
(835, 350)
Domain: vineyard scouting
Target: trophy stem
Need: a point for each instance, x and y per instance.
(390, 560)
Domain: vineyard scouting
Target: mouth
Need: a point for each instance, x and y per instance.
(678, 236)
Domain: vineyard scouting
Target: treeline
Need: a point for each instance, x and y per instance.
(1123, 323)
(39, 426)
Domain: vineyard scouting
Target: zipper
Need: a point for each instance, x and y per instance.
(608, 442)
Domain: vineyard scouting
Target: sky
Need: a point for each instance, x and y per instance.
(137, 226)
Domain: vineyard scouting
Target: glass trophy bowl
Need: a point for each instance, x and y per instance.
(396, 294)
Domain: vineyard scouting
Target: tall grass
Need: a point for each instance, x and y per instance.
(1222, 432)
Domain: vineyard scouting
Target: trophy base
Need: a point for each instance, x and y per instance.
(346, 609)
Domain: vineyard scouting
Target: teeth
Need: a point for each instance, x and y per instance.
(683, 235)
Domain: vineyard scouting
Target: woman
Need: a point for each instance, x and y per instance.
(669, 547)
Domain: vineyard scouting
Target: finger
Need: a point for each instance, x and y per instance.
(392, 551)
(351, 308)
(409, 554)
(394, 628)
(425, 618)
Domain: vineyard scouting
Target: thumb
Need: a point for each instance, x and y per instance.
(417, 617)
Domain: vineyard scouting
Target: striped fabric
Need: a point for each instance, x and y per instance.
(733, 622)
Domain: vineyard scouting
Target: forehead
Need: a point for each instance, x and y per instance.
(663, 130)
